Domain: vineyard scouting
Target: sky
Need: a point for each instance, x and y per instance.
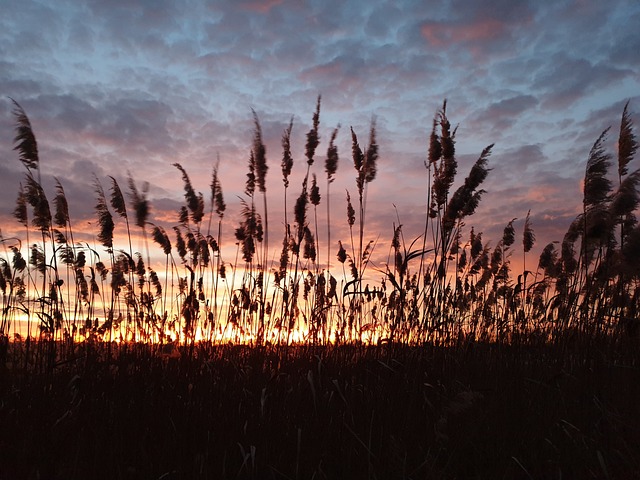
(135, 86)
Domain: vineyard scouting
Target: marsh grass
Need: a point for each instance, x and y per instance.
(440, 287)
(248, 367)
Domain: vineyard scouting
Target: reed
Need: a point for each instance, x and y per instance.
(443, 285)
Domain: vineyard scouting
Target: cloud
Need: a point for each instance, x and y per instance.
(566, 80)
(137, 86)
(259, 6)
(502, 116)
(473, 28)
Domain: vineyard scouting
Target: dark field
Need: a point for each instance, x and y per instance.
(389, 411)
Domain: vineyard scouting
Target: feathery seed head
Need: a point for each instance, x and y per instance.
(217, 198)
(313, 139)
(627, 143)
(300, 213)
(61, 217)
(596, 184)
(21, 212)
(259, 154)
(528, 236)
(287, 159)
(314, 194)
(117, 199)
(342, 253)
(351, 213)
(141, 205)
(331, 164)
(25, 139)
(509, 234)
(371, 157)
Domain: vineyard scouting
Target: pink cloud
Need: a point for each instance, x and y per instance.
(260, 6)
(442, 34)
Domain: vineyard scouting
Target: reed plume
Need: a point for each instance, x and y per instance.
(314, 198)
(596, 184)
(528, 235)
(330, 168)
(313, 138)
(25, 139)
(160, 236)
(466, 198)
(217, 198)
(20, 212)
(139, 200)
(287, 159)
(627, 143)
(105, 220)
(61, 206)
(250, 231)
(195, 202)
(446, 168)
(259, 154)
(35, 196)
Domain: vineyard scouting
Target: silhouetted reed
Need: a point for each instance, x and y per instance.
(442, 286)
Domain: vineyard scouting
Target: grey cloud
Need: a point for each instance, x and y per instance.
(504, 10)
(504, 114)
(566, 79)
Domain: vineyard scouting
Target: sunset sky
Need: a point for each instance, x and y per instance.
(117, 86)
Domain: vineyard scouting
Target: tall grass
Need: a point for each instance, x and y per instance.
(447, 285)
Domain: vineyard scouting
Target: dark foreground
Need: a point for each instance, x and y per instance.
(476, 412)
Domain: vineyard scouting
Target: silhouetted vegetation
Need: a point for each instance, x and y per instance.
(444, 363)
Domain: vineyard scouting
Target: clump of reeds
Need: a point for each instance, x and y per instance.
(444, 285)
